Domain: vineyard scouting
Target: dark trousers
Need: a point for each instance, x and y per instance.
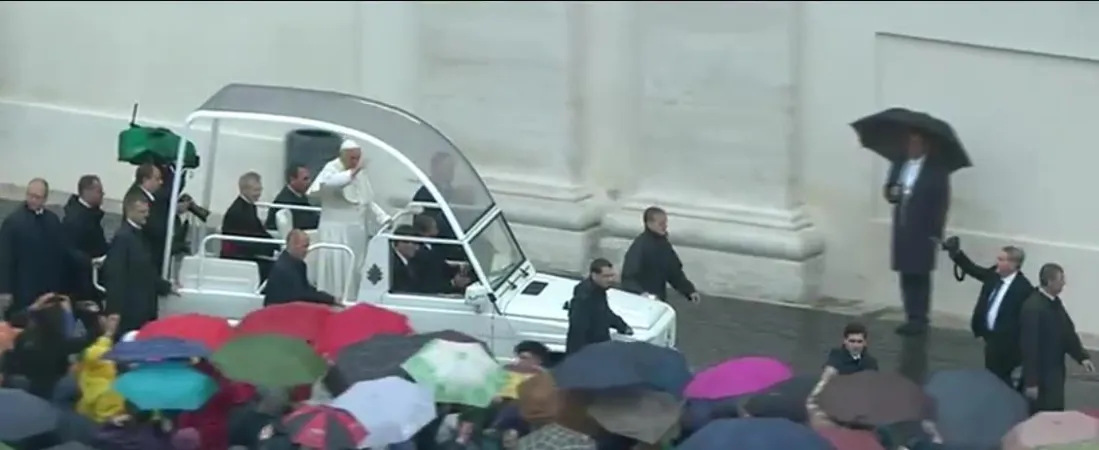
(916, 294)
(1001, 361)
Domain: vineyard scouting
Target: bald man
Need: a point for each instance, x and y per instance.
(34, 257)
(288, 281)
(349, 215)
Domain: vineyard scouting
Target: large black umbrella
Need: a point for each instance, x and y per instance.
(381, 356)
(23, 415)
(885, 133)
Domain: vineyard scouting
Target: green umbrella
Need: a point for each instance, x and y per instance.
(269, 360)
(458, 372)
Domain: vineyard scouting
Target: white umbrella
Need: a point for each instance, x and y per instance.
(391, 409)
(458, 372)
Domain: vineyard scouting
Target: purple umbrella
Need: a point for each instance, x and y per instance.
(738, 376)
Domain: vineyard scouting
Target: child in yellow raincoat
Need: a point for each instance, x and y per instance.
(95, 376)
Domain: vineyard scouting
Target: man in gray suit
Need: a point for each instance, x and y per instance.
(920, 193)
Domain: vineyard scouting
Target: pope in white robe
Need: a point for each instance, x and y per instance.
(349, 216)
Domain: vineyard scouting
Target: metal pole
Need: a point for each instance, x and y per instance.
(173, 203)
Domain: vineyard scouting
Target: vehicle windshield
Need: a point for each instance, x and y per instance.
(427, 149)
(497, 252)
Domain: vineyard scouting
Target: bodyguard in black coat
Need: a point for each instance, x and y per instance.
(148, 184)
(132, 280)
(297, 182)
(289, 281)
(34, 257)
(995, 318)
(651, 263)
(83, 223)
(920, 193)
(590, 316)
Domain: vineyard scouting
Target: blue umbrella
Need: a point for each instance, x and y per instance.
(973, 407)
(755, 434)
(616, 364)
(166, 386)
(23, 415)
(156, 349)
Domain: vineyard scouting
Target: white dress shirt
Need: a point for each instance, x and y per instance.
(910, 173)
(997, 298)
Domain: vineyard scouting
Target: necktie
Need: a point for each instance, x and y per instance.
(991, 319)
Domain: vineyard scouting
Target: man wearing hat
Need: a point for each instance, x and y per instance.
(348, 216)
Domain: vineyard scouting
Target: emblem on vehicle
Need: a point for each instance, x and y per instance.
(374, 274)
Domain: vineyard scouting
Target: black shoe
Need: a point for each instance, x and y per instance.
(911, 329)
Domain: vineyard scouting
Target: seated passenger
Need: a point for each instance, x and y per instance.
(404, 278)
(288, 281)
(284, 220)
(431, 265)
(242, 219)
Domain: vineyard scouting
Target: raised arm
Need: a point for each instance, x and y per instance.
(331, 179)
(984, 274)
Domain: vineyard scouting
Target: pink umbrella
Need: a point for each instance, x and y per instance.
(738, 376)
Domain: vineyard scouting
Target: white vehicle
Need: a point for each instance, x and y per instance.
(511, 303)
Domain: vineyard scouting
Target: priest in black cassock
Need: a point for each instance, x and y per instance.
(133, 282)
(1046, 336)
(148, 183)
(83, 224)
(34, 257)
(298, 179)
(242, 219)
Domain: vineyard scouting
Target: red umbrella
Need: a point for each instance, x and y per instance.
(318, 426)
(208, 330)
(358, 323)
(849, 439)
(298, 319)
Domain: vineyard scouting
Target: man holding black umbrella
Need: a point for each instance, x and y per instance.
(924, 151)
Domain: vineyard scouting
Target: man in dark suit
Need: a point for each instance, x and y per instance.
(996, 315)
(297, 182)
(590, 316)
(435, 272)
(404, 278)
(83, 223)
(147, 183)
(1047, 334)
(242, 219)
(133, 284)
(34, 255)
(651, 263)
(920, 193)
(289, 281)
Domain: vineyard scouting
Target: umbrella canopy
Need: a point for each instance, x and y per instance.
(407, 408)
(843, 438)
(972, 408)
(209, 331)
(381, 356)
(166, 386)
(785, 399)
(755, 434)
(156, 349)
(885, 134)
(23, 415)
(639, 414)
(296, 319)
(358, 323)
(323, 427)
(270, 361)
(617, 364)
(872, 398)
(73, 445)
(738, 376)
(458, 372)
(516, 375)
(1068, 430)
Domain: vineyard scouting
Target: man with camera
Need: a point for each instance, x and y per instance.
(995, 318)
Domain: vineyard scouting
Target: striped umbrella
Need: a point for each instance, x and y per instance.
(319, 426)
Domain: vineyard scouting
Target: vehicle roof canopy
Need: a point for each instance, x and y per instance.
(409, 139)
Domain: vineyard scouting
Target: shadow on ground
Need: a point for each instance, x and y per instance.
(720, 328)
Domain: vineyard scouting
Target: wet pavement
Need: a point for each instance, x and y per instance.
(720, 328)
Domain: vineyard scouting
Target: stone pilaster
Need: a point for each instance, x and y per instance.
(720, 148)
(391, 55)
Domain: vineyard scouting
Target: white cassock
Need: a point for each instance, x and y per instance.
(349, 216)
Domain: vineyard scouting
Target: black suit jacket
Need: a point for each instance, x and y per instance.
(242, 219)
(404, 277)
(432, 272)
(132, 281)
(289, 282)
(155, 229)
(1005, 331)
(84, 228)
(1047, 335)
(590, 317)
(918, 217)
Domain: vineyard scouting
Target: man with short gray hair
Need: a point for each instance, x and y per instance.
(995, 317)
(1047, 334)
(242, 219)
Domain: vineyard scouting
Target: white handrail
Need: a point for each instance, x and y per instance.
(95, 279)
(288, 206)
(350, 267)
